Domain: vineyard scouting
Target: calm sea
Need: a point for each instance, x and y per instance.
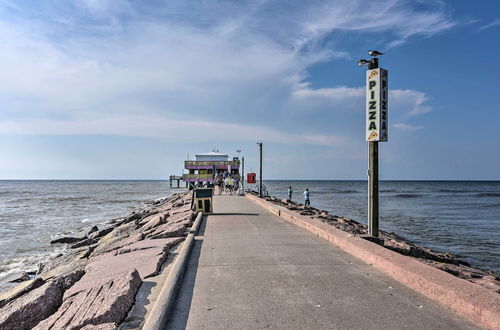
(458, 217)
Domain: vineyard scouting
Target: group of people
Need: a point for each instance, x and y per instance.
(307, 201)
(226, 184)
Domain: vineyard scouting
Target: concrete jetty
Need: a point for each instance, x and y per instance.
(250, 269)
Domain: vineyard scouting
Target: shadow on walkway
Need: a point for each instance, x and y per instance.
(185, 294)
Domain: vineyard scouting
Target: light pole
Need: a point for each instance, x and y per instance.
(260, 172)
(376, 130)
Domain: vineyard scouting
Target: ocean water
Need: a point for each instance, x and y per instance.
(461, 217)
(32, 213)
(458, 217)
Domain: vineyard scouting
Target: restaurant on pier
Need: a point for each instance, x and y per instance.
(205, 166)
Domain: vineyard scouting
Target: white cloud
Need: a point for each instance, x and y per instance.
(406, 127)
(407, 102)
(490, 25)
(159, 127)
(188, 61)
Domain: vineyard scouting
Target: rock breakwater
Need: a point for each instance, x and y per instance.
(95, 283)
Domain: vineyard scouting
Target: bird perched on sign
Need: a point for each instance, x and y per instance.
(375, 53)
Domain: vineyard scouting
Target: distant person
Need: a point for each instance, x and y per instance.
(290, 192)
(307, 202)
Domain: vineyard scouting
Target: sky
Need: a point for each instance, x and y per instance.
(129, 89)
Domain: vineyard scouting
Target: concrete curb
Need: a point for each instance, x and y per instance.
(475, 303)
(158, 315)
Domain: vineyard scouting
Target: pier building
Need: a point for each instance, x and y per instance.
(206, 165)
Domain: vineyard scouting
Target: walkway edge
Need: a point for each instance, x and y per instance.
(465, 298)
(157, 317)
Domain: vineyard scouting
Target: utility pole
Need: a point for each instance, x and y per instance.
(260, 172)
(376, 131)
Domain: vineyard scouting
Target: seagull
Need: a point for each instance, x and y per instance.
(363, 62)
(375, 53)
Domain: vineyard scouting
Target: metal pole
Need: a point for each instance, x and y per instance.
(373, 210)
(260, 169)
(243, 174)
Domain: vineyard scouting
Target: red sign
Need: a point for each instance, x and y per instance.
(251, 177)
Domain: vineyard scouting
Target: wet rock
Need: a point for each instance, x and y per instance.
(66, 240)
(29, 309)
(88, 241)
(101, 233)
(93, 230)
(20, 290)
(106, 303)
(15, 278)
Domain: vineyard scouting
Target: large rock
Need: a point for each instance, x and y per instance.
(66, 239)
(165, 243)
(167, 230)
(116, 244)
(26, 311)
(104, 326)
(100, 268)
(19, 290)
(98, 305)
(153, 221)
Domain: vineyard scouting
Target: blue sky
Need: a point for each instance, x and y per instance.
(125, 89)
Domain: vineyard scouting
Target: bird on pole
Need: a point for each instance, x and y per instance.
(375, 53)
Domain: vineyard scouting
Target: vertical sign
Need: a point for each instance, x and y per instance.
(376, 105)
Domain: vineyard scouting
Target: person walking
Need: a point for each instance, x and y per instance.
(307, 202)
(290, 191)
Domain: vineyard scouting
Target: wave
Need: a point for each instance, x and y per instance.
(453, 190)
(346, 191)
(488, 194)
(408, 195)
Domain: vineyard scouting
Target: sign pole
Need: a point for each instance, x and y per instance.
(377, 93)
(373, 189)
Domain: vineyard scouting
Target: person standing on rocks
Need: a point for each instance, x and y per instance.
(307, 202)
(290, 191)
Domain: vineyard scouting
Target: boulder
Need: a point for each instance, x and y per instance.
(167, 230)
(20, 290)
(165, 243)
(153, 221)
(93, 230)
(31, 308)
(101, 233)
(88, 241)
(103, 326)
(102, 304)
(15, 278)
(101, 268)
(116, 244)
(66, 240)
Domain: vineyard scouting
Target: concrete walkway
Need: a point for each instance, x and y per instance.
(249, 269)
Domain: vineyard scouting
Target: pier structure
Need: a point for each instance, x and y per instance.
(203, 169)
(252, 266)
(177, 178)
